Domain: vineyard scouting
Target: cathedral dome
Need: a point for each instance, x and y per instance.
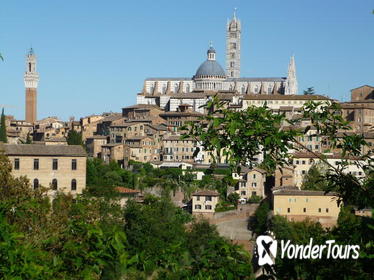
(210, 68)
(210, 75)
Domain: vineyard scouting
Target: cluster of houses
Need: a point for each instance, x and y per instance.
(150, 134)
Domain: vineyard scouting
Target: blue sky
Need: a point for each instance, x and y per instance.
(93, 56)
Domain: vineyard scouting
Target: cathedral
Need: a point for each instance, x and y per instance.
(210, 78)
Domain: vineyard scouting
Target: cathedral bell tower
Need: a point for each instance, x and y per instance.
(233, 33)
(31, 80)
(291, 84)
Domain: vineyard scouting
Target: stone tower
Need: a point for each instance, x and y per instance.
(31, 80)
(233, 33)
(291, 86)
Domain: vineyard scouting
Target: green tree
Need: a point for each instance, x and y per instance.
(314, 179)
(74, 138)
(233, 198)
(259, 222)
(3, 136)
(309, 91)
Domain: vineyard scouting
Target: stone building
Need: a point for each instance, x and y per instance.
(360, 110)
(144, 113)
(112, 152)
(251, 183)
(175, 120)
(176, 149)
(142, 149)
(204, 202)
(62, 168)
(89, 125)
(94, 145)
(303, 161)
(298, 205)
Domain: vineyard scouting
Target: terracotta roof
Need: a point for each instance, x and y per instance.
(283, 97)
(126, 190)
(181, 114)
(327, 155)
(286, 191)
(143, 106)
(206, 192)
(41, 150)
(113, 117)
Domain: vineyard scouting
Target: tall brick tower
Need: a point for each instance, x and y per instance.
(31, 80)
(233, 34)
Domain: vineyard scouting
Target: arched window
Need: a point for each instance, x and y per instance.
(73, 185)
(54, 184)
(36, 184)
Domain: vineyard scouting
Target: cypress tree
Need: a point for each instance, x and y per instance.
(3, 137)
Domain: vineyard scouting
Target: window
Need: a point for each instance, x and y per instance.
(36, 184)
(208, 207)
(304, 210)
(55, 164)
(319, 210)
(254, 185)
(288, 210)
(198, 198)
(254, 176)
(303, 172)
(197, 206)
(327, 210)
(254, 193)
(73, 164)
(16, 164)
(232, 64)
(208, 198)
(303, 162)
(243, 193)
(54, 184)
(73, 185)
(36, 164)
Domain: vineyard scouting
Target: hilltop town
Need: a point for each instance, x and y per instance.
(148, 151)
